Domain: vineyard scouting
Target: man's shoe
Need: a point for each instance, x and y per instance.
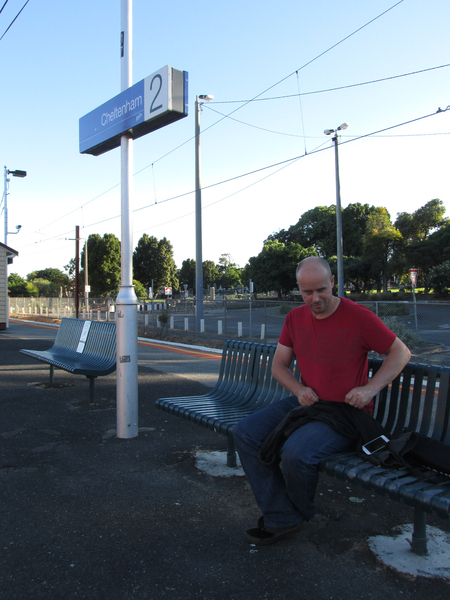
(262, 536)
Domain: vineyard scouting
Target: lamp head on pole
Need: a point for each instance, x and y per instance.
(206, 97)
(17, 173)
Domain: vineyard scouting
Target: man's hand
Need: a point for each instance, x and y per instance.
(359, 397)
(307, 397)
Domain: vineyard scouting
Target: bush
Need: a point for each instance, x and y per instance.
(285, 308)
(163, 319)
(440, 278)
(407, 336)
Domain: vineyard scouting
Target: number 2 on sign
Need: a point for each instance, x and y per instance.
(154, 108)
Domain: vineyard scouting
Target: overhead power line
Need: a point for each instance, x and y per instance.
(13, 21)
(254, 98)
(334, 89)
(281, 164)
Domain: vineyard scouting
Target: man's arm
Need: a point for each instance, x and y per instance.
(396, 358)
(281, 372)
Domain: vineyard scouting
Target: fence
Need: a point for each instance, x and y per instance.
(423, 323)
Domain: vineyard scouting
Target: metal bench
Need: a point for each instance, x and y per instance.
(418, 399)
(83, 348)
(244, 386)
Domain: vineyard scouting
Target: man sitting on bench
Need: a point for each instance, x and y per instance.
(330, 338)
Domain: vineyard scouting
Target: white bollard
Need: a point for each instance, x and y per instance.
(172, 324)
(186, 323)
(98, 316)
(146, 320)
(263, 331)
(202, 325)
(239, 329)
(219, 327)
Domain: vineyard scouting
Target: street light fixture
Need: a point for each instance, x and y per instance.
(198, 213)
(16, 173)
(340, 254)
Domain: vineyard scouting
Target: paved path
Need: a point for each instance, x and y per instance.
(85, 515)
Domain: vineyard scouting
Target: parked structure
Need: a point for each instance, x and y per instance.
(7, 255)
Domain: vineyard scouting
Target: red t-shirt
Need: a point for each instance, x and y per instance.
(332, 353)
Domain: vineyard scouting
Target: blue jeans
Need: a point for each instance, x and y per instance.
(286, 496)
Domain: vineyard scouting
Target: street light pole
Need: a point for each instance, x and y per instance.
(198, 214)
(340, 244)
(16, 173)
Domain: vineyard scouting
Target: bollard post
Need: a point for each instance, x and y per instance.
(239, 329)
(186, 323)
(263, 331)
(219, 327)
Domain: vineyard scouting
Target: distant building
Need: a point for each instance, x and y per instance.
(7, 255)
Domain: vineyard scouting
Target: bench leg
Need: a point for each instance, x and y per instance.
(52, 373)
(419, 537)
(231, 453)
(91, 389)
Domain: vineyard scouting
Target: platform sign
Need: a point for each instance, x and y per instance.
(159, 99)
(414, 274)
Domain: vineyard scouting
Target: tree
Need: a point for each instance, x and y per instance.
(17, 286)
(55, 276)
(140, 290)
(317, 228)
(153, 260)
(417, 227)
(186, 275)
(274, 267)
(229, 272)
(103, 265)
(429, 253)
(354, 225)
(211, 273)
(380, 240)
(440, 278)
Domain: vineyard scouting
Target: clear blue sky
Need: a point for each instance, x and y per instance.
(60, 60)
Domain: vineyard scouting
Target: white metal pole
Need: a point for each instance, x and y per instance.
(198, 222)
(126, 302)
(340, 255)
(5, 206)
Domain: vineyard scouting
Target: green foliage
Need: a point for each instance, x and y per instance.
(211, 273)
(163, 320)
(103, 265)
(186, 275)
(390, 310)
(416, 227)
(274, 267)
(153, 260)
(55, 276)
(440, 278)
(285, 308)
(407, 336)
(140, 290)
(380, 241)
(18, 287)
(229, 273)
(316, 228)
